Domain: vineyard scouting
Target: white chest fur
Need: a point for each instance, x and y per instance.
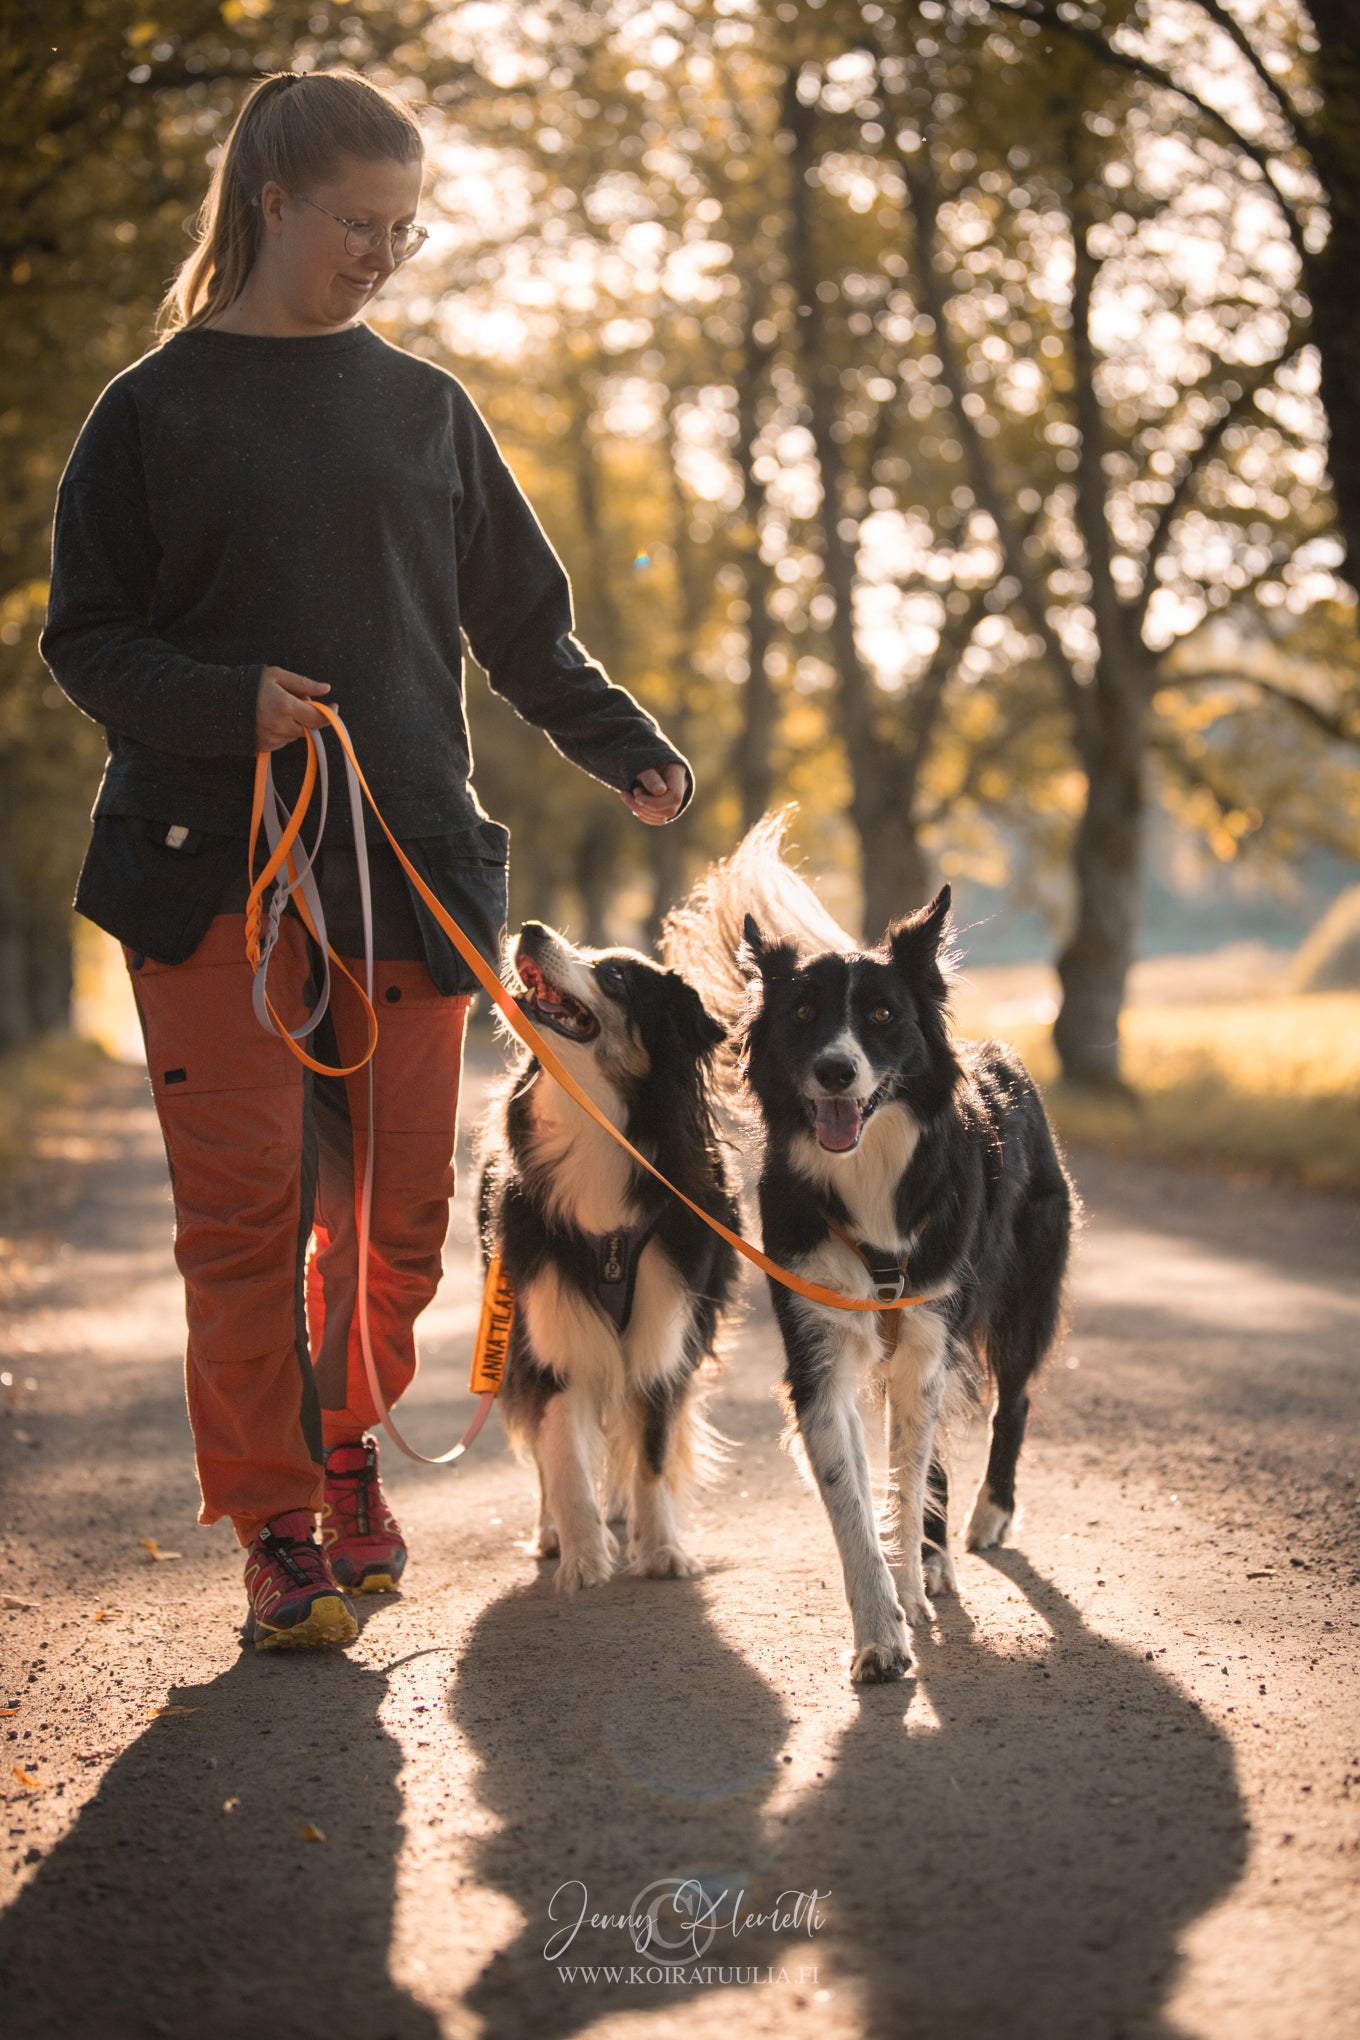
(586, 1172)
(866, 1179)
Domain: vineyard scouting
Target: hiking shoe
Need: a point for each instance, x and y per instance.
(293, 1596)
(359, 1533)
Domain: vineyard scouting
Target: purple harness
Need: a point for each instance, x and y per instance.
(616, 1264)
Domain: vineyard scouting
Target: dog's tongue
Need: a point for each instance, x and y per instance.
(838, 1123)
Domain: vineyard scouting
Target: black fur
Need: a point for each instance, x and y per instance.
(984, 1199)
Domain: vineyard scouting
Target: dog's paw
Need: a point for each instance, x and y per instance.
(938, 1568)
(665, 1562)
(877, 1664)
(913, 1605)
(547, 1543)
(989, 1523)
(590, 1567)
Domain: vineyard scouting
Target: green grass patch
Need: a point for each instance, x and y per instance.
(1271, 1085)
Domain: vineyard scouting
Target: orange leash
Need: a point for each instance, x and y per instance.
(530, 1036)
(497, 1298)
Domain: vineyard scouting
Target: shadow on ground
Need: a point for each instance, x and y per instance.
(163, 1913)
(1078, 1809)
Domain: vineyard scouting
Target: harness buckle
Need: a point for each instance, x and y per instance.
(890, 1284)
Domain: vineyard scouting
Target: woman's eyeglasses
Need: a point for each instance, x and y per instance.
(363, 238)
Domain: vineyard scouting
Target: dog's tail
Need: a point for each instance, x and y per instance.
(701, 937)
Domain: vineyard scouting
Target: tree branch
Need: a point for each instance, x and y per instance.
(1042, 12)
(923, 703)
(923, 198)
(1343, 728)
(1233, 29)
(1193, 466)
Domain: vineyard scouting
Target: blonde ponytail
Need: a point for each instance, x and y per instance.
(294, 128)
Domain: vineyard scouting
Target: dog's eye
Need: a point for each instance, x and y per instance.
(882, 1014)
(802, 1012)
(610, 976)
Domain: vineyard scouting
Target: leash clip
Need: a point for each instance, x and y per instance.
(889, 1284)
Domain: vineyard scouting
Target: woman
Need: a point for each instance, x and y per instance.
(272, 508)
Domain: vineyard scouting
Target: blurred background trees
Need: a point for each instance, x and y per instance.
(930, 403)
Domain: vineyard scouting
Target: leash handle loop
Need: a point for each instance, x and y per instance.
(295, 881)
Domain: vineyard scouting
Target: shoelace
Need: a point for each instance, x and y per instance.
(281, 1550)
(361, 1476)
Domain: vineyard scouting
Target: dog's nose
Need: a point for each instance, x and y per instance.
(834, 1072)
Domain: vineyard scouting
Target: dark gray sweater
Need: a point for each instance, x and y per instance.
(337, 507)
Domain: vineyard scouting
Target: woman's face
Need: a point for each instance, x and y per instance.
(306, 266)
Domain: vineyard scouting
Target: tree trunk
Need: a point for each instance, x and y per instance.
(1107, 869)
(596, 861)
(666, 848)
(1110, 734)
(50, 967)
(753, 759)
(15, 1020)
(753, 753)
(883, 769)
(1334, 136)
(896, 876)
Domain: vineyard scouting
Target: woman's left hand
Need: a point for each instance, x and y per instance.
(657, 796)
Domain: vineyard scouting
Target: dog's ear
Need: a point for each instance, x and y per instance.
(699, 1032)
(757, 958)
(914, 943)
(751, 948)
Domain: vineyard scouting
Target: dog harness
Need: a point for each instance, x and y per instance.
(889, 1277)
(616, 1264)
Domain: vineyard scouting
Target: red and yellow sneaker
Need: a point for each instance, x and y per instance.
(359, 1533)
(294, 1600)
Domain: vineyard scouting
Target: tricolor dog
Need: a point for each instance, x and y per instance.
(620, 1289)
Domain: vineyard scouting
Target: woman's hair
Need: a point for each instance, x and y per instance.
(293, 130)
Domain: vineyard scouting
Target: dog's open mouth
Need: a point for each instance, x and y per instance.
(840, 1122)
(550, 1007)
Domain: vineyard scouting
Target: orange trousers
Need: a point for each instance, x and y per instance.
(265, 1157)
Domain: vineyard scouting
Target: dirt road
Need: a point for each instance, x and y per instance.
(1122, 1798)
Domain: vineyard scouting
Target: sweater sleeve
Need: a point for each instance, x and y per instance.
(99, 642)
(515, 605)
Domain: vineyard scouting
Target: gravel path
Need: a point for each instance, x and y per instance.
(1121, 1799)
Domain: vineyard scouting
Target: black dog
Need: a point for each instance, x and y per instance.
(897, 1160)
(619, 1287)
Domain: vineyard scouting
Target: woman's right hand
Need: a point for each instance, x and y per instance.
(283, 708)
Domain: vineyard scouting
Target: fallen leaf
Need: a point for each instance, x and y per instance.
(14, 1601)
(312, 1834)
(174, 1710)
(9, 1710)
(1266, 1572)
(107, 1614)
(93, 1756)
(161, 1557)
(26, 1778)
